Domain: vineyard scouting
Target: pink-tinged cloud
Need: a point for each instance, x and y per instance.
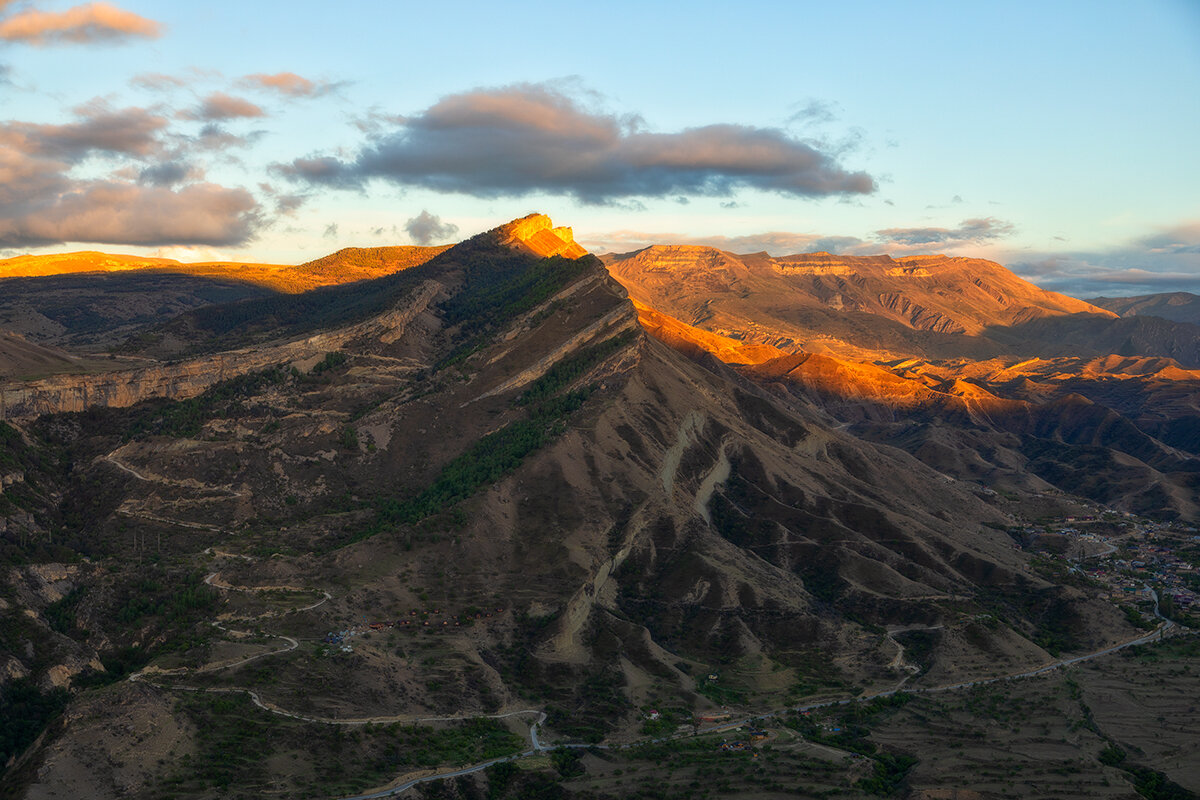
(121, 213)
(221, 106)
(288, 83)
(146, 199)
(517, 140)
(129, 131)
(93, 22)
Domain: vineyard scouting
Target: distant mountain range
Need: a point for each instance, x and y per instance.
(1175, 306)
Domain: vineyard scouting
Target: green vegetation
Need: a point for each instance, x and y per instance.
(25, 711)
(1173, 649)
(185, 418)
(61, 613)
(1136, 619)
(499, 287)
(237, 741)
(330, 362)
(166, 608)
(592, 708)
(850, 729)
(890, 771)
(573, 367)
(486, 461)
(36, 468)
(1149, 783)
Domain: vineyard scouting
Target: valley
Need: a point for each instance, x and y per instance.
(513, 501)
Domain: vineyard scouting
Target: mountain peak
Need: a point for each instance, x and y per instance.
(536, 234)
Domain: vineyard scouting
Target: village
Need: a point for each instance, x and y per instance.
(1125, 555)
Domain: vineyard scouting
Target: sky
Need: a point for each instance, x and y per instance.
(1058, 138)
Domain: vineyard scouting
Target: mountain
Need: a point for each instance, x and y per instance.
(1175, 306)
(477, 486)
(862, 307)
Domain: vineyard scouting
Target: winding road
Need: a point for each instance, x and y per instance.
(536, 746)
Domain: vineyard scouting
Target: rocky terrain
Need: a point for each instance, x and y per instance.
(492, 487)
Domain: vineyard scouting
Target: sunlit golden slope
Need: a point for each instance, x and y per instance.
(537, 235)
(866, 307)
(344, 266)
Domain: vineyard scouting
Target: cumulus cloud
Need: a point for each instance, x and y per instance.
(43, 202)
(526, 138)
(131, 131)
(122, 213)
(426, 228)
(982, 229)
(219, 106)
(289, 84)
(85, 24)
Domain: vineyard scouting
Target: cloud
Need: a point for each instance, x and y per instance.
(289, 84)
(169, 173)
(214, 137)
(43, 202)
(1176, 240)
(219, 106)
(86, 24)
(157, 82)
(974, 231)
(814, 111)
(131, 131)
(122, 213)
(331, 231)
(426, 228)
(526, 138)
(1165, 260)
(776, 243)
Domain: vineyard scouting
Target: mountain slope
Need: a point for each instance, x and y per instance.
(863, 307)
(1120, 430)
(589, 520)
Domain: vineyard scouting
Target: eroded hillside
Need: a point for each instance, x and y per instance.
(499, 496)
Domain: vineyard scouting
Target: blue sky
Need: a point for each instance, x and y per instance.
(1058, 138)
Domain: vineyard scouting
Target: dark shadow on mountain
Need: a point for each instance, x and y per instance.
(93, 310)
(1086, 335)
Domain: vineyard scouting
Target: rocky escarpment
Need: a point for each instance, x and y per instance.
(184, 379)
(536, 234)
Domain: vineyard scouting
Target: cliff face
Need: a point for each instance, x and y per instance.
(184, 379)
(537, 235)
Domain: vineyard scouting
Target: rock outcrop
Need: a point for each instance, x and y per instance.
(536, 234)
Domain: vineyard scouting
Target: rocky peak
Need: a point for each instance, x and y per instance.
(536, 234)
